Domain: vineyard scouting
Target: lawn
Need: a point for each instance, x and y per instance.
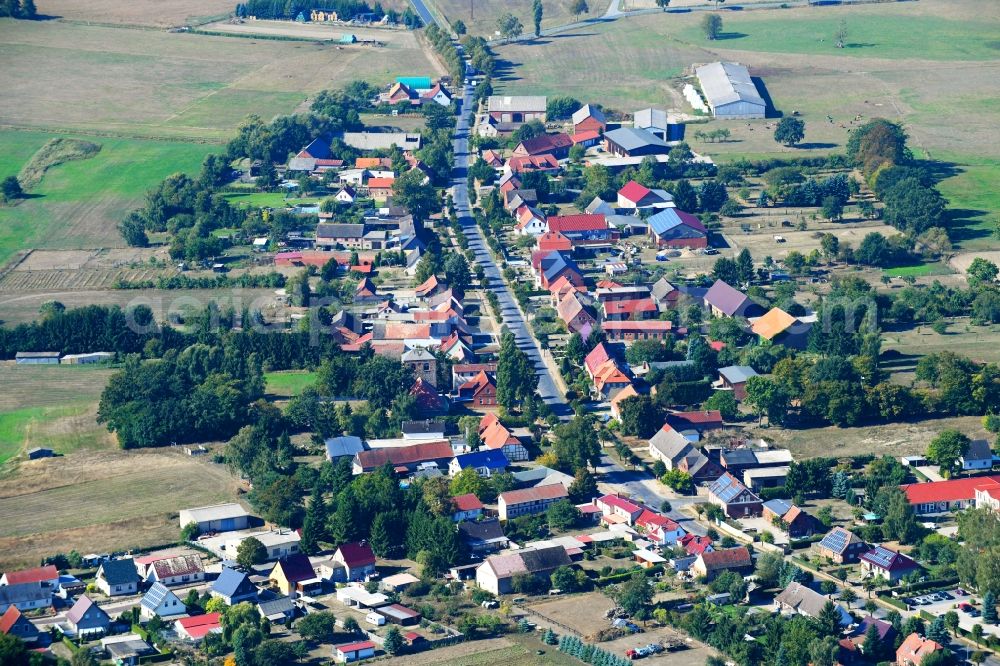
(919, 270)
(78, 204)
(973, 200)
(286, 384)
(267, 200)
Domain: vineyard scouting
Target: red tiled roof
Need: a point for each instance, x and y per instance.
(380, 182)
(544, 143)
(533, 163)
(952, 490)
(581, 222)
(585, 135)
(551, 491)
(727, 557)
(356, 554)
(597, 356)
(356, 646)
(620, 503)
(35, 575)
(652, 325)
(706, 416)
(463, 368)
(9, 619)
(630, 306)
(467, 502)
(405, 455)
(633, 191)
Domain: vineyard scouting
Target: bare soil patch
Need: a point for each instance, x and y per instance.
(583, 613)
(136, 12)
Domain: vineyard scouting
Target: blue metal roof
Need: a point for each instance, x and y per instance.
(727, 488)
(155, 596)
(670, 218)
(491, 459)
(229, 581)
(778, 506)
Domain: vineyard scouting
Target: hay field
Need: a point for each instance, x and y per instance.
(89, 501)
(555, 12)
(158, 84)
(934, 65)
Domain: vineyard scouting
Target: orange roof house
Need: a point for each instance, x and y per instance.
(480, 391)
(623, 395)
(771, 324)
(913, 650)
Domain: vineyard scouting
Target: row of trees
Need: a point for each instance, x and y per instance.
(25, 9)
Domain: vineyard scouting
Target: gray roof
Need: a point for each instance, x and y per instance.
(737, 374)
(122, 650)
(778, 506)
(544, 559)
(655, 118)
(661, 289)
(340, 447)
(979, 449)
(335, 230)
(80, 608)
(727, 488)
(501, 103)
(422, 427)
(808, 602)
(728, 82)
(600, 206)
(630, 138)
(381, 140)
(417, 354)
(281, 605)
(670, 443)
(231, 583)
(20, 593)
(725, 297)
(155, 596)
(486, 530)
(542, 476)
(120, 572)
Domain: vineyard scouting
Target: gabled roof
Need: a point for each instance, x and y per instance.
(724, 297)
(279, 606)
(231, 582)
(523, 163)
(317, 148)
(808, 602)
(544, 143)
(654, 118)
(526, 103)
(82, 605)
(632, 138)
(737, 374)
(728, 488)
(570, 307)
(294, 568)
(199, 626)
(649, 519)
(24, 592)
(669, 220)
(588, 111)
(596, 357)
(13, 617)
(888, 560)
(633, 191)
(979, 449)
(580, 222)
(630, 306)
(491, 459)
(727, 558)
(156, 595)
(838, 540)
(357, 554)
(405, 455)
(120, 572)
(35, 575)
(179, 565)
(467, 502)
(914, 648)
(952, 490)
(771, 324)
(477, 383)
(728, 82)
(620, 503)
(484, 530)
(539, 493)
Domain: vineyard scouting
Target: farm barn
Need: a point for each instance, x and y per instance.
(730, 92)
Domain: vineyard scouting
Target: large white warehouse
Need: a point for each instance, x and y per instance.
(730, 91)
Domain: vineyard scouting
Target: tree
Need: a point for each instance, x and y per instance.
(459, 27)
(133, 230)
(314, 526)
(977, 633)
(190, 532)
(938, 630)
(635, 594)
(872, 647)
(515, 378)
(767, 397)
(828, 620)
(711, 25)
(13, 651)
(83, 657)
(28, 10)
(679, 481)
(946, 449)
(711, 195)
(640, 416)
(562, 516)
(456, 271)
(579, 7)
(467, 482)
(848, 596)
(393, 641)
(536, 14)
(725, 402)
(320, 627)
(663, 4)
(10, 189)
(411, 192)
(584, 486)
(251, 552)
(832, 208)
(790, 131)
(509, 26)
(576, 445)
(564, 579)
(982, 271)
(989, 608)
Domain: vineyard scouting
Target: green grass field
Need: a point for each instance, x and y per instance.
(287, 384)
(919, 270)
(78, 204)
(58, 428)
(268, 200)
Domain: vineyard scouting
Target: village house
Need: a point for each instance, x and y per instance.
(14, 623)
(480, 391)
(914, 649)
(530, 222)
(404, 459)
(623, 395)
(86, 618)
(47, 576)
(576, 315)
(117, 577)
(889, 565)
(736, 500)
(977, 457)
(678, 452)
(293, 574)
(711, 563)
(331, 235)
(160, 602)
(659, 529)
(630, 331)
(485, 462)
(634, 142)
(723, 300)
(734, 378)
(496, 573)
(277, 610)
(485, 536)
(696, 422)
(463, 372)
(170, 569)
(278, 542)
(233, 587)
(582, 229)
(780, 328)
(886, 632)
(841, 546)
(353, 651)
(527, 501)
(633, 196)
(798, 523)
(950, 495)
(617, 510)
(557, 145)
(195, 628)
(674, 228)
(357, 558)
(494, 435)
(800, 599)
(609, 379)
(25, 596)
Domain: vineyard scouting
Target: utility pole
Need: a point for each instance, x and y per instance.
(472, 11)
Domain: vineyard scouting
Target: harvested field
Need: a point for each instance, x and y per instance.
(23, 307)
(87, 501)
(312, 31)
(177, 85)
(582, 613)
(556, 12)
(49, 386)
(136, 12)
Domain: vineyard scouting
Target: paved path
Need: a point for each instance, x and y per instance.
(423, 12)
(510, 314)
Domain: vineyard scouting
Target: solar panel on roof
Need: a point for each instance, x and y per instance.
(880, 557)
(835, 540)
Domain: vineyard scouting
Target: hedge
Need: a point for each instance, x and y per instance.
(619, 578)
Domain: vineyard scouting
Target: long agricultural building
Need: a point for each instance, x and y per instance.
(730, 92)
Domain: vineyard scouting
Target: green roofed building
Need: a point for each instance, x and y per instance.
(348, 38)
(416, 82)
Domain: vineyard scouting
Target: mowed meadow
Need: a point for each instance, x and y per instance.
(934, 65)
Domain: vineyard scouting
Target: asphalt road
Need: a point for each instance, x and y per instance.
(509, 312)
(423, 12)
